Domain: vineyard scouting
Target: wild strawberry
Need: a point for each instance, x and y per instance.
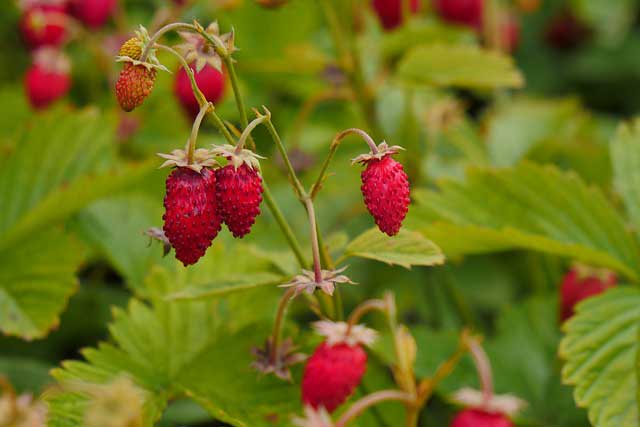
(48, 78)
(239, 189)
(565, 31)
(209, 80)
(337, 365)
(93, 13)
(44, 24)
(582, 282)
(191, 219)
(132, 48)
(463, 12)
(385, 187)
(390, 11)
(479, 418)
(134, 85)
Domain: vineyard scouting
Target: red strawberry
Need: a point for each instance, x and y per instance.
(134, 85)
(209, 80)
(580, 283)
(566, 31)
(479, 418)
(191, 219)
(93, 13)
(390, 11)
(332, 373)
(48, 78)
(464, 12)
(510, 33)
(44, 25)
(385, 188)
(239, 193)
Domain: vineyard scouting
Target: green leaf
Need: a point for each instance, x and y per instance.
(601, 350)
(59, 165)
(197, 349)
(37, 277)
(407, 248)
(242, 282)
(529, 207)
(459, 65)
(116, 226)
(625, 156)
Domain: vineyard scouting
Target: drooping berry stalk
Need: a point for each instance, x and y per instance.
(204, 108)
(371, 400)
(483, 367)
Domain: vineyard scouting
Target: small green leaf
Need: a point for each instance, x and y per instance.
(625, 156)
(459, 65)
(600, 348)
(407, 248)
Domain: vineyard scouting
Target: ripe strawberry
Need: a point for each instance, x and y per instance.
(134, 85)
(480, 418)
(239, 193)
(209, 80)
(385, 187)
(582, 282)
(565, 31)
(390, 11)
(464, 12)
(93, 13)
(44, 25)
(191, 219)
(48, 78)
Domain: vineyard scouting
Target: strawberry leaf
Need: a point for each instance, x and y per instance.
(625, 156)
(407, 248)
(442, 65)
(529, 207)
(601, 352)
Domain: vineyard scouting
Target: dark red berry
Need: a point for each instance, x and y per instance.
(191, 219)
(385, 188)
(478, 418)
(579, 284)
(390, 11)
(331, 375)
(44, 25)
(93, 13)
(239, 193)
(209, 80)
(565, 31)
(44, 86)
(463, 12)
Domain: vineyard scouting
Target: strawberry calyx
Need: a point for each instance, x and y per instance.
(52, 60)
(286, 356)
(506, 404)
(197, 50)
(343, 333)
(306, 281)
(313, 418)
(237, 159)
(131, 51)
(180, 158)
(379, 153)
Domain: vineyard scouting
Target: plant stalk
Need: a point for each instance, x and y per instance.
(373, 399)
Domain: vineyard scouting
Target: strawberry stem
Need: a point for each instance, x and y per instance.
(276, 335)
(162, 31)
(370, 400)
(246, 133)
(483, 367)
(337, 140)
(364, 308)
(194, 132)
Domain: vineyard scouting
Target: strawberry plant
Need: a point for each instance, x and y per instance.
(319, 214)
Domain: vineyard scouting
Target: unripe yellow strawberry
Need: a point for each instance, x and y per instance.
(131, 48)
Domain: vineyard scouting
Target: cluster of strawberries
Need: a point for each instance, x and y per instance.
(46, 26)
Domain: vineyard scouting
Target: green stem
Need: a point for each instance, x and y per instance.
(351, 65)
(194, 132)
(246, 133)
(337, 140)
(285, 228)
(370, 400)
(315, 247)
(194, 86)
(276, 335)
(162, 31)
